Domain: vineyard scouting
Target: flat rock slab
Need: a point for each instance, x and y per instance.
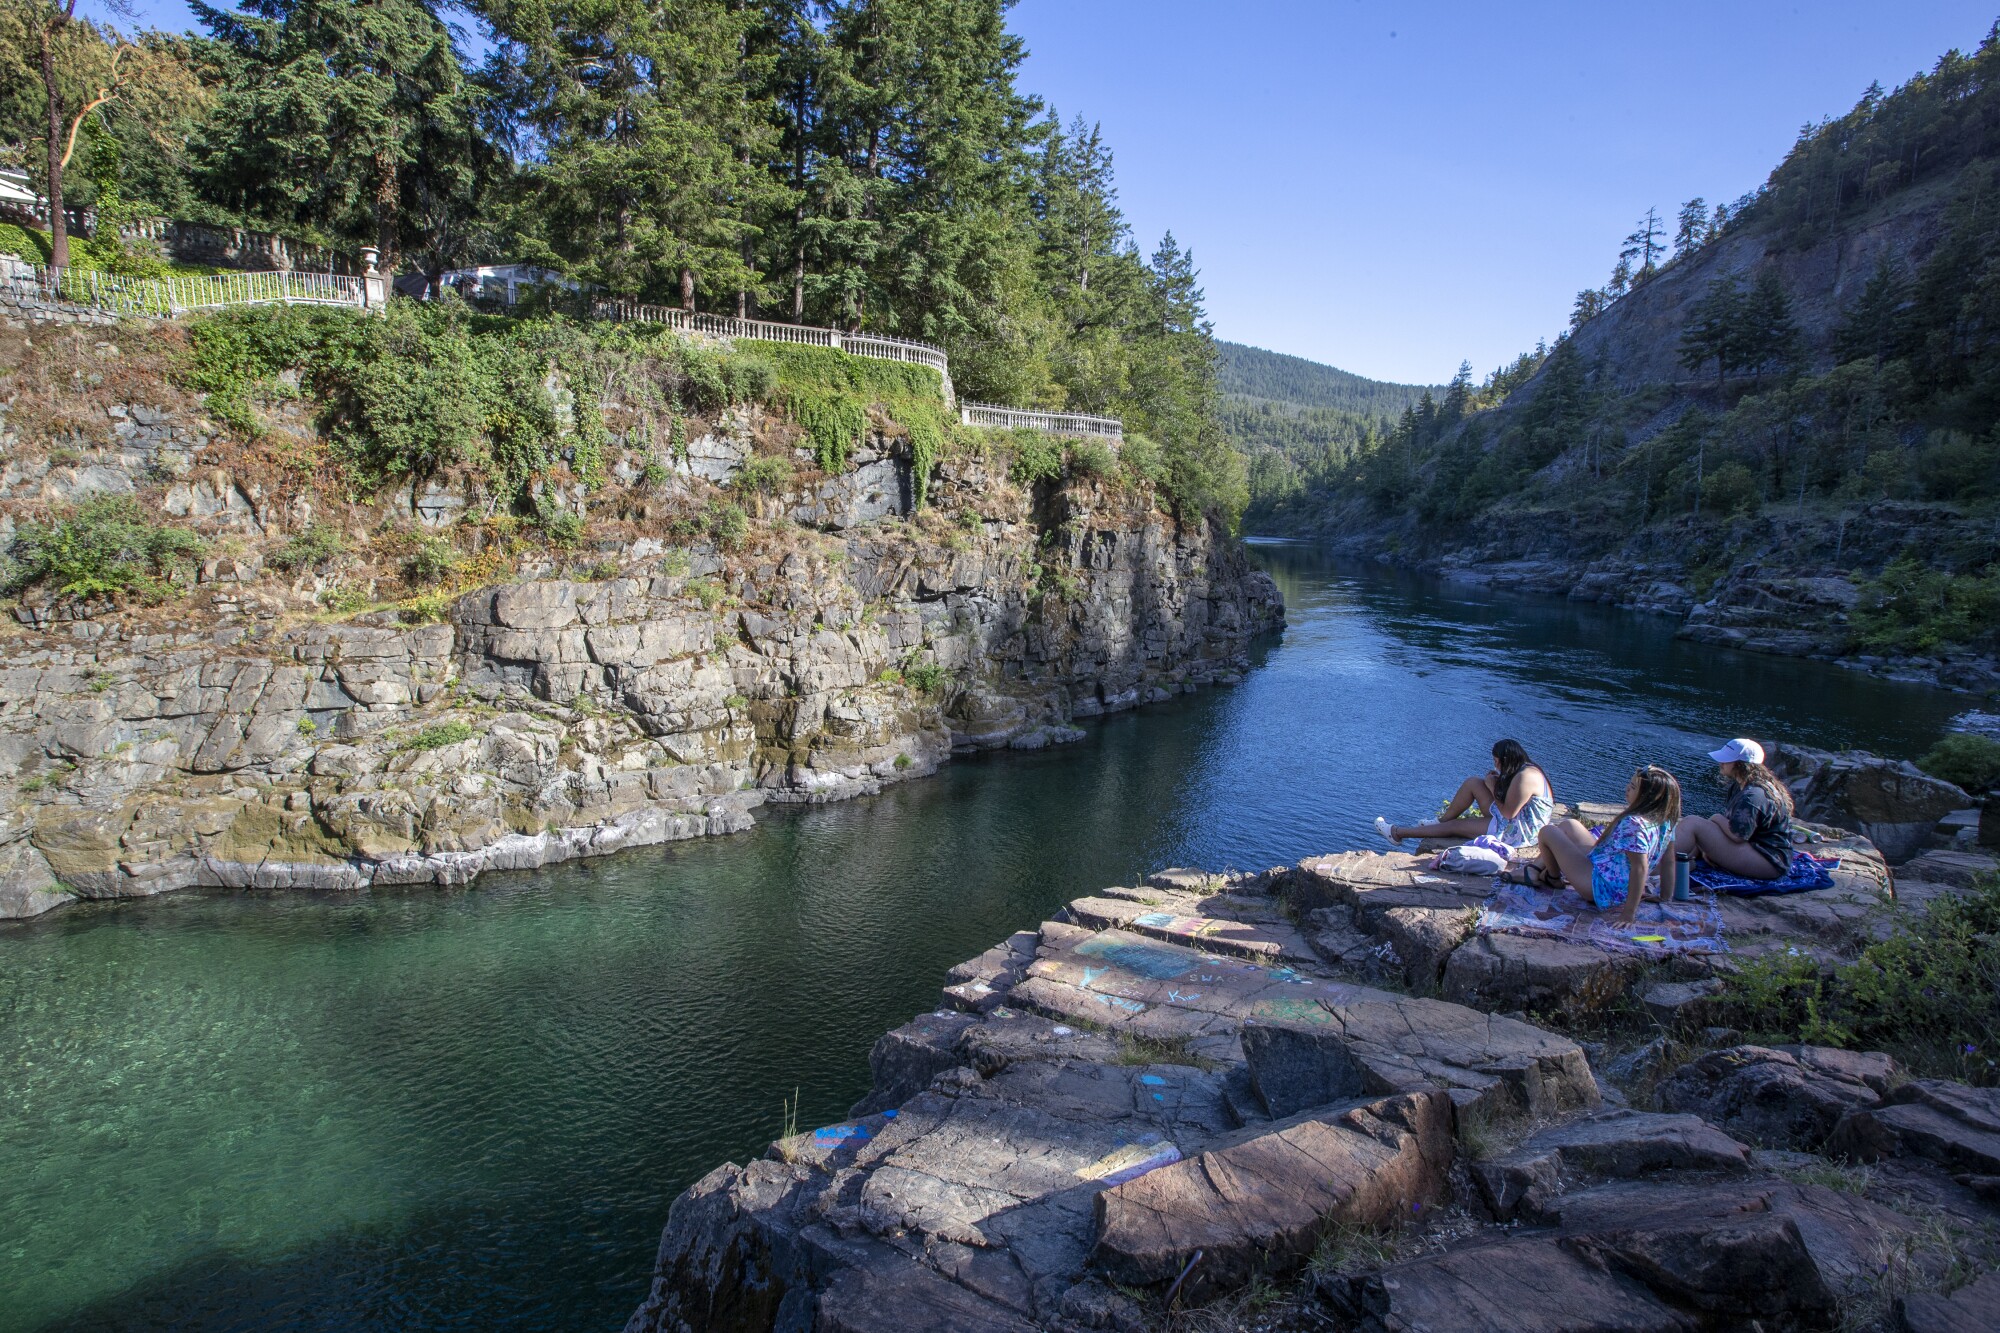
(1261, 1201)
(1375, 881)
(1780, 1097)
(1950, 1123)
(906, 1297)
(1620, 1143)
(1264, 941)
(1373, 1044)
(1119, 977)
(1531, 1285)
(1974, 1308)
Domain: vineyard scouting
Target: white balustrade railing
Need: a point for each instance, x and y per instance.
(1049, 423)
(877, 345)
(177, 295)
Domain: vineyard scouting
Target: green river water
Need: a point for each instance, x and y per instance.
(436, 1109)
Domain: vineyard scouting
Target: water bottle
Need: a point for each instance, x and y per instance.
(1682, 891)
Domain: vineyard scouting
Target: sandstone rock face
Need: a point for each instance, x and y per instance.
(559, 717)
(1892, 802)
(1787, 1097)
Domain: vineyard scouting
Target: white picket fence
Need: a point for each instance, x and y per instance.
(1049, 423)
(880, 346)
(177, 295)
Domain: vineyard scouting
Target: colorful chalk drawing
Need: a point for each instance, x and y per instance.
(836, 1133)
(1154, 962)
(1154, 920)
(1176, 997)
(1152, 1080)
(1120, 1002)
(1129, 1162)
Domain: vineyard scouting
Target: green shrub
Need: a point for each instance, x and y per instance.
(727, 524)
(1971, 762)
(1911, 607)
(430, 608)
(903, 761)
(765, 473)
(924, 677)
(344, 601)
(1731, 489)
(1037, 457)
(561, 525)
(440, 734)
(106, 545)
(1954, 466)
(1142, 459)
(1928, 993)
(1092, 458)
(706, 591)
(319, 543)
(432, 560)
(307, 726)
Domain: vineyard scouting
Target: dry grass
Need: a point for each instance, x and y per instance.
(1162, 1051)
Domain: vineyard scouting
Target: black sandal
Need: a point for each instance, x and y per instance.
(1526, 870)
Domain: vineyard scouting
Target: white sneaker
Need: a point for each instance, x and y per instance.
(1387, 830)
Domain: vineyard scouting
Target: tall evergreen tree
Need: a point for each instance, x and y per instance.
(1691, 229)
(349, 117)
(1644, 245)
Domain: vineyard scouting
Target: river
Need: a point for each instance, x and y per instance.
(468, 1109)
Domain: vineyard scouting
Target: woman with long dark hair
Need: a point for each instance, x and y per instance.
(1752, 837)
(1612, 870)
(1515, 800)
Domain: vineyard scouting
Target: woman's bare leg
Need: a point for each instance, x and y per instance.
(1705, 838)
(1451, 828)
(1565, 851)
(1449, 824)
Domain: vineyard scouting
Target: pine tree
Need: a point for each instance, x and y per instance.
(1590, 303)
(1691, 231)
(1621, 280)
(1712, 332)
(1457, 395)
(1767, 334)
(1873, 327)
(1644, 245)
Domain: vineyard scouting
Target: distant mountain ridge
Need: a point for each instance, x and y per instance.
(1252, 372)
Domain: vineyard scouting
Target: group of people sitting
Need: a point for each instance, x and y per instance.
(1750, 838)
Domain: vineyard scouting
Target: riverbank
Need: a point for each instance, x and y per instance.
(1780, 583)
(1169, 1093)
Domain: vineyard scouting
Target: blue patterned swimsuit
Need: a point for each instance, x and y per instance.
(1610, 872)
(1525, 827)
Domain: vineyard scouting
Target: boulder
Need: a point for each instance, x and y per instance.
(1404, 1044)
(1973, 1308)
(1262, 1200)
(1619, 1143)
(1531, 1285)
(1780, 1097)
(1892, 802)
(1949, 1123)
(28, 885)
(1737, 1250)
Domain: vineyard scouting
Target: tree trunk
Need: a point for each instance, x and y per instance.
(687, 289)
(388, 198)
(58, 224)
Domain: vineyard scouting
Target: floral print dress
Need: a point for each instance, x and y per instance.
(1610, 872)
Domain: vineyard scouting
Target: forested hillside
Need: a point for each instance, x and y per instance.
(1780, 385)
(868, 164)
(1290, 417)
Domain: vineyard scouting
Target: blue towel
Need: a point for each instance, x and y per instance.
(1807, 872)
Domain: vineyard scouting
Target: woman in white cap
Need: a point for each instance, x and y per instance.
(1752, 837)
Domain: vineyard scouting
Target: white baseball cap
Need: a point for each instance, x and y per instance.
(1742, 750)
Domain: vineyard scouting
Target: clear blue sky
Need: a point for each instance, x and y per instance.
(1390, 187)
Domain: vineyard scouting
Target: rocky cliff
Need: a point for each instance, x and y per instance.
(658, 679)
